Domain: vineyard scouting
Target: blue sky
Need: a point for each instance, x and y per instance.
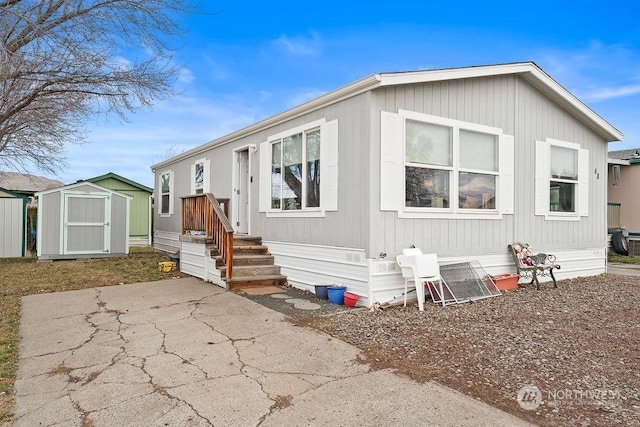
(249, 60)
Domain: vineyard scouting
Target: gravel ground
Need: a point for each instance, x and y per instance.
(578, 344)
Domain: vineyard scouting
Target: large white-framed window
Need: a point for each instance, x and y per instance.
(200, 176)
(439, 167)
(165, 184)
(562, 180)
(299, 170)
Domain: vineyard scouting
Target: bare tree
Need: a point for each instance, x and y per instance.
(64, 61)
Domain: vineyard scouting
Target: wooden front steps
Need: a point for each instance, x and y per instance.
(253, 265)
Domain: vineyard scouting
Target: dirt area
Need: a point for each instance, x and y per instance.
(579, 345)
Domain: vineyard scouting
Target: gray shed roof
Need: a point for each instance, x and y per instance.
(25, 183)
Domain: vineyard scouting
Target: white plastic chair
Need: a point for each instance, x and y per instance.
(411, 251)
(419, 269)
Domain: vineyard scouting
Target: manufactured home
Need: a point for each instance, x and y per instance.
(459, 162)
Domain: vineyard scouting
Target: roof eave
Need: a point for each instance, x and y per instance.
(530, 72)
(618, 162)
(82, 183)
(120, 178)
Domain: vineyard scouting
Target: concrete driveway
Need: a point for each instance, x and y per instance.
(186, 353)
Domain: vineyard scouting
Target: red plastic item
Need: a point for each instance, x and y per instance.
(350, 299)
(506, 282)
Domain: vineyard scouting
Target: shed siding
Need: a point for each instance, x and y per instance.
(509, 103)
(139, 209)
(85, 204)
(118, 225)
(50, 215)
(11, 227)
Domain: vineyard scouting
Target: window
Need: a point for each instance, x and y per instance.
(295, 171)
(298, 171)
(562, 186)
(450, 167)
(564, 179)
(616, 175)
(166, 193)
(200, 176)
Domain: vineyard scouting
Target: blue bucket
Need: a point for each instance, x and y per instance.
(336, 294)
(321, 291)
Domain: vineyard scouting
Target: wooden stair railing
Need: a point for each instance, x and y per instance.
(205, 213)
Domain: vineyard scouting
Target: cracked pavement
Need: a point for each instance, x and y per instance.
(187, 353)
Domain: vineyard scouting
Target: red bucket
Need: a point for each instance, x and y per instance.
(350, 299)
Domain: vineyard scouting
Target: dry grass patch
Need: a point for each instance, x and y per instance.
(26, 276)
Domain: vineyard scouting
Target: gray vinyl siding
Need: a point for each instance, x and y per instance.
(537, 119)
(506, 102)
(346, 227)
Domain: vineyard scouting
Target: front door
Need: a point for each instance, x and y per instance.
(87, 224)
(241, 192)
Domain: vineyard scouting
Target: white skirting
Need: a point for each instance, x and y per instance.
(380, 280)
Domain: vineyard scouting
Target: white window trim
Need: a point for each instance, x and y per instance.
(543, 178)
(206, 175)
(393, 183)
(171, 192)
(328, 170)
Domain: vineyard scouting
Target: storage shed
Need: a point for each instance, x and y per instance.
(82, 220)
(13, 220)
(141, 204)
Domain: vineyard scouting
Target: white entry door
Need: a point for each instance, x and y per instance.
(241, 192)
(87, 224)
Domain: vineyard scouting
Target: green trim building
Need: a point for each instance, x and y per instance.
(140, 220)
(13, 223)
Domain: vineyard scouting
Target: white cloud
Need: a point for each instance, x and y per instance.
(299, 45)
(151, 136)
(606, 93)
(186, 76)
(597, 72)
(304, 96)
(214, 69)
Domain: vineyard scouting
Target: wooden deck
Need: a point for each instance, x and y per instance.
(243, 261)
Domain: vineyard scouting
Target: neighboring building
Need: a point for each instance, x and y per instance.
(82, 220)
(460, 162)
(623, 192)
(13, 221)
(141, 205)
(28, 185)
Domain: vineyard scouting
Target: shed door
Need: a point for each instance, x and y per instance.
(87, 224)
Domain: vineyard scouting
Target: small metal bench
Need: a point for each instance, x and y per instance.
(532, 265)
